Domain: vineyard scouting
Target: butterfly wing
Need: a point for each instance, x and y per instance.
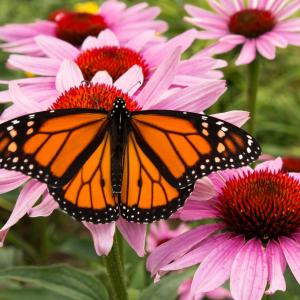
(52, 145)
(88, 195)
(186, 146)
(146, 195)
(70, 151)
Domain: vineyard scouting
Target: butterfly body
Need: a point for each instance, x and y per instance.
(139, 165)
(119, 117)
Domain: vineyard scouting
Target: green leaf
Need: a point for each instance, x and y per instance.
(61, 279)
(30, 294)
(10, 257)
(166, 288)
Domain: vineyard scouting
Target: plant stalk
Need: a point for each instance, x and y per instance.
(253, 78)
(115, 270)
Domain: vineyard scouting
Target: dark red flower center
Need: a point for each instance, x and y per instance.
(291, 164)
(115, 60)
(252, 22)
(75, 27)
(94, 96)
(261, 204)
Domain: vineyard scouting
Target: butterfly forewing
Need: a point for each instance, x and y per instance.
(146, 195)
(50, 146)
(187, 146)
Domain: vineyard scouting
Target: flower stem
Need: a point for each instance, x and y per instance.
(115, 270)
(253, 77)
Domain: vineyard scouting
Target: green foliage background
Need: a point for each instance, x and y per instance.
(58, 239)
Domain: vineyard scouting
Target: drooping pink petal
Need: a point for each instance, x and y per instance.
(108, 38)
(36, 65)
(218, 7)
(134, 234)
(130, 81)
(195, 98)
(291, 250)
(215, 268)
(182, 41)
(196, 210)
(112, 10)
(249, 272)
(69, 75)
(89, 43)
(103, 236)
(276, 39)
(219, 294)
(265, 47)
(10, 180)
(180, 245)
(27, 198)
(196, 255)
(235, 117)
(232, 6)
(248, 53)
(102, 77)
(56, 48)
(276, 267)
(160, 80)
(139, 42)
(204, 190)
(44, 209)
(288, 10)
(20, 100)
(217, 48)
(291, 37)
(4, 97)
(205, 18)
(291, 25)
(234, 39)
(271, 165)
(200, 66)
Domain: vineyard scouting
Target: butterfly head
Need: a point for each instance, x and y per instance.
(119, 108)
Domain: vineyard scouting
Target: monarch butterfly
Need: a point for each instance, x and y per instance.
(141, 165)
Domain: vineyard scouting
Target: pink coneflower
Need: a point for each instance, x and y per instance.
(259, 26)
(75, 27)
(217, 294)
(161, 232)
(257, 231)
(107, 53)
(69, 82)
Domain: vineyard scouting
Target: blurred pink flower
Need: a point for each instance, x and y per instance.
(161, 232)
(155, 94)
(257, 231)
(259, 26)
(217, 294)
(74, 27)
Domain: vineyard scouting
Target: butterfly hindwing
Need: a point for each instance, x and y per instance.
(187, 146)
(50, 146)
(88, 195)
(146, 195)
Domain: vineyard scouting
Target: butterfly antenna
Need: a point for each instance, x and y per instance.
(86, 82)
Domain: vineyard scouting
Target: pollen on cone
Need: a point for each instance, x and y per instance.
(94, 96)
(116, 61)
(262, 204)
